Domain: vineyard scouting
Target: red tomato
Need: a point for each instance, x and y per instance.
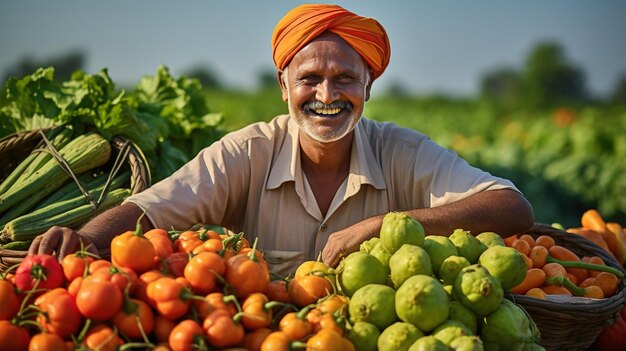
(40, 270)
(613, 337)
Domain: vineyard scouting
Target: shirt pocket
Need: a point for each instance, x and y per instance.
(283, 262)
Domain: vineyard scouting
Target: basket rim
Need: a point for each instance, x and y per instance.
(140, 179)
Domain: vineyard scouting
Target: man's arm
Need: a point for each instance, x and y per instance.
(96, 235)
(504, 211)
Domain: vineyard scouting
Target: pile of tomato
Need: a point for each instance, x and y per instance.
(192, 290)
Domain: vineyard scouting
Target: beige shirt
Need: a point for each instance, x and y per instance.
(251, 181)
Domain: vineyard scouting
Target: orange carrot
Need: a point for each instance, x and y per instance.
(528, 262)
(539, 255)
(534, 279)
(587, 282)
(573, 264)
(555, 290)
(529, 239)
(592, 235)
(595, 260)
(545, 241)
(509, 240)
(536, 292)
(521, 246)
(593, 220)
(562, 253)
(608, 283)
(594, 292)
(553, 269)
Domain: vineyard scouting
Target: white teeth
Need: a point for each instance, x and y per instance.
(327, 111)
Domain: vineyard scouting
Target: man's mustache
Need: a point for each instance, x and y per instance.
(316, 105)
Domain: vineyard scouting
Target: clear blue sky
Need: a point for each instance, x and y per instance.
(437, 45)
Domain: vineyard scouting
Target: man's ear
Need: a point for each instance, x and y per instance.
(368, 87)
(282, 78)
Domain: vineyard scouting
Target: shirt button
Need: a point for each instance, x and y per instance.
(323, 227)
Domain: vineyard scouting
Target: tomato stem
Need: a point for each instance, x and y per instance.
(136, 345)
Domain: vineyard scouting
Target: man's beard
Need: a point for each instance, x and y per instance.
(307, 121)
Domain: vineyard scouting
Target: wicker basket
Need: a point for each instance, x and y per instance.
(572, 323)
(16, 147)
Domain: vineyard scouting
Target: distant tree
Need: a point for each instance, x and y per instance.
(549, 79)
(63, 65)
(501, 85)
(618, 95)
(206, 75)
(396, 89)
(266, 79)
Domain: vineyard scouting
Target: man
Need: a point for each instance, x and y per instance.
(321, 178)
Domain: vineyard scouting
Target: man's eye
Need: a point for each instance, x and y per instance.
(344, 79)
(309, 80)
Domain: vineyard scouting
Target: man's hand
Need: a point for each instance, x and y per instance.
(60, 241)
(346, 241)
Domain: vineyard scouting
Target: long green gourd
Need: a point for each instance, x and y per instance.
(84, 152)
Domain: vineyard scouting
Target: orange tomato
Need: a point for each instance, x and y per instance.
(75, 265)
(222, 329)
(13, 337)
(241, 267)
(134, 317)
(133, 250)
(102, 338)
(185, 334)
(99, 300)
(307, 289)
(170, 297)
(60, 315)
(295, 326)
(8, 300)
(203, 270)
(46, 342)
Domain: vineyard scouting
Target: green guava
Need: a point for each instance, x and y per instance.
(438, 248)
(407, 261)
(508, 328)
(450, 267)
(359, 269)
(505, 263)
(467, 245)
(478, 290)
(422, 301)
(450, 330)
(368, 245)
(398, 228)
(459, 312)
(467, 343)
(375, 304)
(490, 239)
(428, 343)
(398, 337)
(381, 254)
(363, 336)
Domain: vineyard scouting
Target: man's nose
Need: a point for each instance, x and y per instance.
(326, 92)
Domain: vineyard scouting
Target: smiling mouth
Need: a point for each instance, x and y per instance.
(327, 110)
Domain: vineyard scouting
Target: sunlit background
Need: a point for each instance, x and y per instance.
(437, 46)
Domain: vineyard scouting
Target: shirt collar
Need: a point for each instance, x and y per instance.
(364, 169)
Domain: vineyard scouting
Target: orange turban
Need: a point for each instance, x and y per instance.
(305, 22)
